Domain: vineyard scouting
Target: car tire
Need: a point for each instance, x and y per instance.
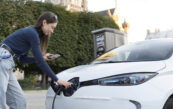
(169, 104)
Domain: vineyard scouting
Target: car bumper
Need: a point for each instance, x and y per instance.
(124, 97)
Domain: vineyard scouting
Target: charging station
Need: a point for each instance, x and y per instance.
(106, 39)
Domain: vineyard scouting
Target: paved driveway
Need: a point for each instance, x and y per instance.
(36, 99)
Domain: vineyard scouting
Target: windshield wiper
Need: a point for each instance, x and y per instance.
(114, 62)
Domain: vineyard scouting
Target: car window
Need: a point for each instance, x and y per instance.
(154, 50)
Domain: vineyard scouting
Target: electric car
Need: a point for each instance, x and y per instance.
(133, 76)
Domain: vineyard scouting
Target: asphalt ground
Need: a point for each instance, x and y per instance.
(35, 99)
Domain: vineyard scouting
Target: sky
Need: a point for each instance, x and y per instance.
(140, 14)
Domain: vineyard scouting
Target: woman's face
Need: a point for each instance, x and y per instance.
(48, 28)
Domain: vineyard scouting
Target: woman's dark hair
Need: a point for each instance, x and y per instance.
(50, 17)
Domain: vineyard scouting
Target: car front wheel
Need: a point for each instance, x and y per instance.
(169, 104)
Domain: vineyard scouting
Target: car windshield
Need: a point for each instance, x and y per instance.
(152, 50)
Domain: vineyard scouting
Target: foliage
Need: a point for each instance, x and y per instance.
(27, 82)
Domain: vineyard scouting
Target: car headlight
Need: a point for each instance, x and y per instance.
(127, 79)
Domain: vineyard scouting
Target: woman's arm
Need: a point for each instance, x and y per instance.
(42, 64)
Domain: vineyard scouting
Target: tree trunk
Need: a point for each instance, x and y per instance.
(44, 80)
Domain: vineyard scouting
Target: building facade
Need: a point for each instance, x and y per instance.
(71, 5)
(157, 34)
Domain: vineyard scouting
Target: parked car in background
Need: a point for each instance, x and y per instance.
(134, 76)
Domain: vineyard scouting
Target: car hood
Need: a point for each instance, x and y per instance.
(95, 71)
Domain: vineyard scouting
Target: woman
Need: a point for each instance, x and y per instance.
(18, 44)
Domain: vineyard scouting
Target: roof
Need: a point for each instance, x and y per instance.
(107, 30)
(105, 12)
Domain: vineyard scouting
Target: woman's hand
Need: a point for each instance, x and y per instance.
(64, 83)
(47, 55)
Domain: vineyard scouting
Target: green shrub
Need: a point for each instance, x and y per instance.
(27, 82)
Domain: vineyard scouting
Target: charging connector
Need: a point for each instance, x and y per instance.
(67, 92)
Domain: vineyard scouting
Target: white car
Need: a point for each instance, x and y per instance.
(134, 76)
